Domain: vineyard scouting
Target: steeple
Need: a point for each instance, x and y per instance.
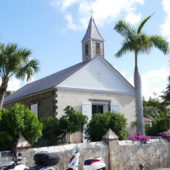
(92, 43)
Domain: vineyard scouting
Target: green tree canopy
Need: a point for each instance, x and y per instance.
(155, 108)
(101, 123)
(18, 120)
(158, 111)
(15, 61)
(55, 129)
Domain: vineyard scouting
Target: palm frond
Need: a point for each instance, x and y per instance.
(126, 46)
(15, 61)
(125, 29)
(143, 23)
(27, 69)
(10, 49)
(33, 64)
(24, 53)
(1, 54)
(143, 43)
(160, 43)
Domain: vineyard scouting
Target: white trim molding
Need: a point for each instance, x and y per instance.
(92, 90)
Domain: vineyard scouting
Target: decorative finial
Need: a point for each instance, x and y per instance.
(91, 11)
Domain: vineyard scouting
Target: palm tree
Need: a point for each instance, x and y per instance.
(14, 61)
(138, 42)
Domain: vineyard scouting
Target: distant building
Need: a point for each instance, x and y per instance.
(92, 86)
(147, 121)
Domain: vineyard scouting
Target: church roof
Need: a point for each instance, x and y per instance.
(92, 32)
(45, 83)
(51, 81)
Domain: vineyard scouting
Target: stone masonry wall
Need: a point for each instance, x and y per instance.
(118, 155)
(130, 154)
(45, 102)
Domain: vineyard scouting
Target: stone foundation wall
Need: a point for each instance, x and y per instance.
(45, 101)
(118, 155)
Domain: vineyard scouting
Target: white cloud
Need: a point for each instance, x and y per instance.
(70, 23)
(165, 27)
(153, 82)
(133, 18)
(104, 11)
(64, 4)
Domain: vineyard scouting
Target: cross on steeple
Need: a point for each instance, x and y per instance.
(91, 11)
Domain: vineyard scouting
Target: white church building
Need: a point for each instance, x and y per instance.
(91, 86)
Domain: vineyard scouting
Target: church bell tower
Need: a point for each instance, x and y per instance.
(92, 43)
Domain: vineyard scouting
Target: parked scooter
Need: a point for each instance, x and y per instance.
(15, 164)
(94, 164)
(73, 163)
(44, 161)
(89, 164)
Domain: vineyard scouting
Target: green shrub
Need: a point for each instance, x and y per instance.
(154, 108)
(55, 129)
(19, 120)
(159, 125)
(159, 113)
(6, 140)
(100, 124)
(50, 129)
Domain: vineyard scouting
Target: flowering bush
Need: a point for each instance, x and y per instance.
(139, 137)
(165, 133)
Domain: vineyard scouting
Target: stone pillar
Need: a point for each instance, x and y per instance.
(113, 149)
(21, 143)
(20, 146)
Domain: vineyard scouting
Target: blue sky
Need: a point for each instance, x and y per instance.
(53, 30)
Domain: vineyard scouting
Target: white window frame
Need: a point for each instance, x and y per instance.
(34, 108)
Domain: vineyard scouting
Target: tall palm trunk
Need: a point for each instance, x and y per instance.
(3, 89)
(139, 102)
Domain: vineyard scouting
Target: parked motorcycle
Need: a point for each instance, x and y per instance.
(73, 163)
(94, 164)
(43, 161)
(89, 164)
(15, 164)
